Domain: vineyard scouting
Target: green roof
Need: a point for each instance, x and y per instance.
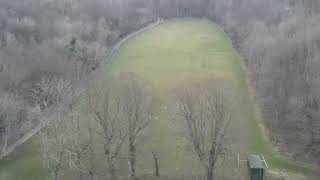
(255, 162)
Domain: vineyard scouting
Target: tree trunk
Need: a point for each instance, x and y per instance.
(80, 176)
(210, 169)
(91, 174)
(79, 160)
(110, 164)
(131, 162)
(111, 168)
(155, 158)
(54, 175)
(209, 174)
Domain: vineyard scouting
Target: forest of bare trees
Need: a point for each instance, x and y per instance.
(279, 43)
(113, 124)
(49, 48)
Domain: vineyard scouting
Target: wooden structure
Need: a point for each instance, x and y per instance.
(256, 168)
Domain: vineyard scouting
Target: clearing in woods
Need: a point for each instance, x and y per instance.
(175, 53)
(190, 50)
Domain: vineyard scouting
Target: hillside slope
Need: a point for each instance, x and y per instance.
(169, 56)
(185, 51)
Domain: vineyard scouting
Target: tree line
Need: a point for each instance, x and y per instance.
(279, 43)
(94, 139)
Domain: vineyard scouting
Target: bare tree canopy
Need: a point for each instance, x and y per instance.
(204, 110)
(138, 110)
(54, 143)
(105, 108)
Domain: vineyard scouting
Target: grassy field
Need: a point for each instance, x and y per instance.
(169, 56)
(189, 50)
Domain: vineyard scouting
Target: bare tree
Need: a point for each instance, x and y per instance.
(204, 111)
(156, 164)
(51, 91)
(53, 140)
(77, 143)
(105, 109)
(138, 110)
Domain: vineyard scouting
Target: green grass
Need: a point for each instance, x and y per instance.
(24, 164)
(189, 50)
(169, 56)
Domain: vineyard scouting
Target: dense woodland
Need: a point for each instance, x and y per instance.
(279, 45)
(48, 49)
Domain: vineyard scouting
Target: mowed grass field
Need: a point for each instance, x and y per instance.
(168, 57)
(178, 52)
(183, 51)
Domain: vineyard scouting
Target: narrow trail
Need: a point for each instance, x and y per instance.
(131, 35)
